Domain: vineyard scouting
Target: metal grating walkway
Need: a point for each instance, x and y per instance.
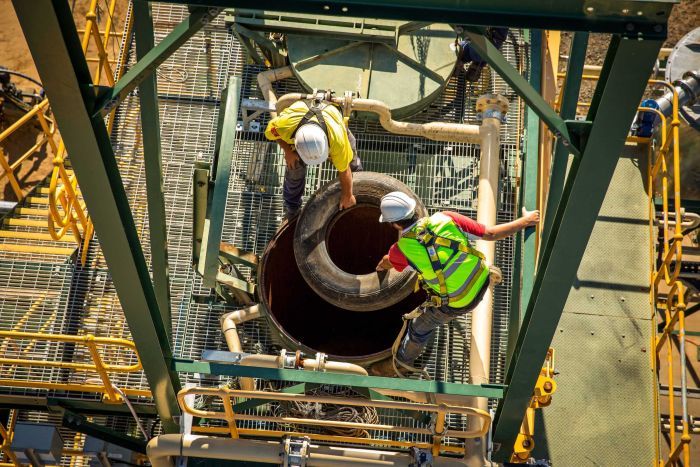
(83, 300)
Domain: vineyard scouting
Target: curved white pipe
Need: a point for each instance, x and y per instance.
(437, 131)
(233, 341)
(162, 450)
(265, 80)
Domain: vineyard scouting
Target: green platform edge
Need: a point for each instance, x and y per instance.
(603, 411)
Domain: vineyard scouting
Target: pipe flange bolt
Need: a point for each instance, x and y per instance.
(321, 360)
(492, 101)
(287, 361)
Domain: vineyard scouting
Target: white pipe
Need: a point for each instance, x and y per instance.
(308, 364)
(437, 131)
(491, 107)
(233, 341)
(163, 449)
(265, 80)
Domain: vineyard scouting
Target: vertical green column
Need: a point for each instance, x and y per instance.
(150, 128)
(569, 103)
(526, 241)
(53, 40)
(225, 142)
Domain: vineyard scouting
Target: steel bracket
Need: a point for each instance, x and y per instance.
(296, 451)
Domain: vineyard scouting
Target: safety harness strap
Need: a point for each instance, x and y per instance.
(315, 110)
(428, 239)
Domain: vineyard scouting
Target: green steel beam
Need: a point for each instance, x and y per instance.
(585, 189)
(55, 46)
(84, 407)
(150, 129)
(221, 172)
(81, 424)
(627, 17)
(510, 75)
(569, 103)
(300, 376)
(526, 241)
(153, 58)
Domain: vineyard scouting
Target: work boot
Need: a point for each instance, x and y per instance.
(385, 368)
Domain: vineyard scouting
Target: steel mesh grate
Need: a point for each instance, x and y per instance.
(189, 84)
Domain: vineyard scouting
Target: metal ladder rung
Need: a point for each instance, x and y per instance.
(32, 211)
(29, 223)
(47, 250)
(36, 200)
(45, 191)
(34, 236)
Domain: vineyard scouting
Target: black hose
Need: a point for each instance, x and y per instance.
(21, 75)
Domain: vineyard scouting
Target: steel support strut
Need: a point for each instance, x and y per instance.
(569, 103)
(526, 241)
(628, 66)
(53, 41)
(648, 18)
(510, 75)
(153, 57)
(150, 130)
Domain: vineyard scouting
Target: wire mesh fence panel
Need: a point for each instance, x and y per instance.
(444, 175)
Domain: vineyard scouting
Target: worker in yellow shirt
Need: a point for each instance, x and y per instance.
(309, 132)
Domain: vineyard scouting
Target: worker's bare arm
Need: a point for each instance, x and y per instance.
(347, 199)
(500, 231)
(290, 155)
(384, 264)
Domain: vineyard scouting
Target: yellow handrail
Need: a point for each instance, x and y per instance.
(668, 270)
(9, 170)
(438, 432)
(66, 212)
(98, 365)
(6, 434)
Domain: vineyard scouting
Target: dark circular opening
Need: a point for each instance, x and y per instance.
(356, 240)
(309, 323)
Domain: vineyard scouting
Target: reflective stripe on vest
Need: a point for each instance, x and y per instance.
(448, 265)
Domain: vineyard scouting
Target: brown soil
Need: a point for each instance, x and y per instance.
(684, 18)
(15, 55)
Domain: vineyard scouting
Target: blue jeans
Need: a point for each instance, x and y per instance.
(422, 328)
(295, 179)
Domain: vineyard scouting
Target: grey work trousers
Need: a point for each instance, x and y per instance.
(422, 328)
(295, 178)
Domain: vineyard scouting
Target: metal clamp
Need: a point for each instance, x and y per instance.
(296, 451)
(420, 457)
(288, 361)
(491, 113)
(321, 360)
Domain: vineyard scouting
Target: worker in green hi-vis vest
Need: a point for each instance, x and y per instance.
(452, 272)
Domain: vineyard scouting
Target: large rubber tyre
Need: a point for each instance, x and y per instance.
(356, 292)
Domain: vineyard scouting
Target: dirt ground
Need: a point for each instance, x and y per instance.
(14, 55)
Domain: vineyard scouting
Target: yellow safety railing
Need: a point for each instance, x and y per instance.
(66, 212)
(39, 111)
(664, 274)
(542, 397)
(438, 431)
(91, 343)
(6, 434)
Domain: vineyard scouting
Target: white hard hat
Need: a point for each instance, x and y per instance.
(396, 206)
(311, 144)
